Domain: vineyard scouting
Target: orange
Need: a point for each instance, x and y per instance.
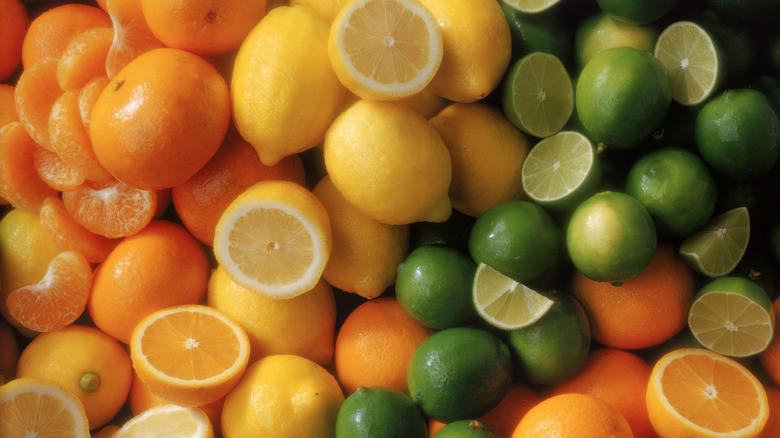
(770, 358)
(619, 378)
(145, 138)
(9, 352)
(72, 236)
(20, 183)
(88, 95)
(55, 172)
(201, 199)
(374, 346)
(27, 401)
(85, 58)
(772, 427)
(50, 32)
(132, 35)
(158, 267)
(13, 26)
(573, 415)
(7, 105)
(643, 311)
(106, 431)
(205, 27)
(35, 93)
(87, 362)
(505, 417)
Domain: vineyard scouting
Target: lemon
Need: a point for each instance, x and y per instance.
(602, 31)
(326, 8)
(27, 401)
(389, 161)
(169, 420)
(283, 396)
(477, 48)
(487, 153)
(284, 91)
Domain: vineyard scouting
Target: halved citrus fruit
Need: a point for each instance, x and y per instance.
(37, 407)
(531, 6)
(717, 248)
(505, 303)
(168, 420)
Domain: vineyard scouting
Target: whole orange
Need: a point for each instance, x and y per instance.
(772, 426)
(160, 119)
(770, 358)
(13, 26)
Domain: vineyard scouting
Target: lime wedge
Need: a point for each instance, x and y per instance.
(505, 303)
(538, 96)
(717, 248)
(694, 60)
(732, 316)
(561, 170)
(531, 6)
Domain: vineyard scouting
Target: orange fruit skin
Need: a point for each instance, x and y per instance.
(643, 311)
(375, 344)
(619, 378)
(770, 358)
(772, 427)
(160, 119)
(7, 105)
(13, 25)
(573, 415)
(506, 416)
(160, 266)
(20, 183)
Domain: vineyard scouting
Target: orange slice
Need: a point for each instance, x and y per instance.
(72, 236)
(20, 183)
(58, 174)
(88, 95)
(35, 93)
(38, 407)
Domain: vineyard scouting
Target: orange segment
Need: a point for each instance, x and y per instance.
(85, 58)
(35, 93)
(72, 236)
(20, 184)
(55, 172)
(88, 95)
(37, 407)
(132, 35)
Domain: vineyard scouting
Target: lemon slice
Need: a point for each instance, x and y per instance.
(505, 303)
(37, 407)
(170, 421)
(385, 49)
(717, 248)
(275, 239)
(531, 6)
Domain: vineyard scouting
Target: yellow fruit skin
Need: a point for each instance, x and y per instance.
(284, 91)
(477, 48)
(389, 162)
(326, 8)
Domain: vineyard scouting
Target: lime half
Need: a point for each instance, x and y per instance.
(732, 316)
(505, 303)
(562, 170)
(538, 95)
(531, 6)
(694, 61)
(717, 248)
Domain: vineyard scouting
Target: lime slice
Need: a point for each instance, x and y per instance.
(538, 95)
(505, 303)
(531, 6)
(694, 61)
(561, 170)
(732, 316)
(718, 247)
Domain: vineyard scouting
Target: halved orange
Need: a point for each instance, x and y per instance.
(72, 236)
(20, 184)
(37, 407)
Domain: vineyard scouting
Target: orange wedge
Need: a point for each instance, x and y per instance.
(85, 58)
(35, 93)
(20, 183)
(72, 236)
(38, 407)
(88, 95)
(55, 172)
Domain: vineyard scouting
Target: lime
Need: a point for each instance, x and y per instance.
(738, 134)
(622, 96)
(381, 413)
(637, 11)
(611, 237)
(459, 373)
(538, 96)
(746, 12)
(433, 286)
(694, 60)
(537, 33)
(602, 31)
(505, 303)
(561, 171)
(738, 46)
(517, 238)
(531, 6)
(732, 316)
(554, 348)
(676, 188)
(466, 429)
(454, 232)
(717, 248)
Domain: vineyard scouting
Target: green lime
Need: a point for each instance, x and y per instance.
(746, 12)
(676, 188)
(531, 6)
(505, 303)
(717, 248)
(378, 412)
(454, 232)
(757, 266)
(676, 130)
(561, 171)
(554, 348)
(465, 429)
(537, 33)
(459, 373)
(773, 54)
(738, 46)
(611, 237)
(637, 11)
(433, 286)
(738, 134)
(517, 238)
(602, 31)
(770, 87)
(622, 96)
(732, 316)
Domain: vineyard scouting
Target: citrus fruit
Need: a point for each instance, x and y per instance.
(611, 237)
(770, 357)
(718, 247)
(531, 6)
(15, 21)
(537, 33)
(55, 172)
(505, 303)
(697, 392)
(573, 415)
(274, 238)
(34, 94)
(433, 286)
(538, 96)
(7, 105)
(732, 316)
(132, 35)
(517, 238)
(379, 412)
(84, 58)
(454, 232)
(459, 373)
(506, 415)
(602, 31)
(773, 422)
(622, 95)
(20, 184)
(167, 420)
(561, 171)
(40, 406)
(639, 11)
(328, 9)
(466, 429)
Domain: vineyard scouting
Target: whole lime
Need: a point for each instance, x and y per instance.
(454, 232)
(433, 286)
(611, 237)
(459, 373)
(466, 429)
(537, 33)
(602, 31)
(738, 134)
(637, 11)
(622, 96)
(381, 413)
(519, 239)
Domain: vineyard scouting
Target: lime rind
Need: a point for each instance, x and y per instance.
(505, 303)
(719, 246)
(531, 6)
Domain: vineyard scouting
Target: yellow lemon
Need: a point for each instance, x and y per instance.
(326, 8)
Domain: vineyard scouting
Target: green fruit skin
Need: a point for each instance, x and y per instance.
(459, 373)
(520, 239)
(454, 232)
(377, 412)
(554, 348)
(537, 33)
(739, 285)
(465, 429)
(637, 11)
(433, 287)
(676, 188)
(738, 134)
(601, 31)
(620, 114)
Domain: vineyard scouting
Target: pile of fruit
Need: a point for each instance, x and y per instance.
(389, 218)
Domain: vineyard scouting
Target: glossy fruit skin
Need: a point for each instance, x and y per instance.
(537, 33)
(637, 12)
(379, 413)
(466, 429)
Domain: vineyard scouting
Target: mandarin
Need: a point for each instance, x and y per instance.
(71, 235)
(36, 91)
(20, 183)
(7, 105)
(13, 26)
(505, 417)
(85, 58)
(132, 35)
(770, 358)
(55, 172)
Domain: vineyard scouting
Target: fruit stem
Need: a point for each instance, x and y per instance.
(89, 382)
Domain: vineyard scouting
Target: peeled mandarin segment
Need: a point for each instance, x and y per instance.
(85, 58)
(168, 420)
(55, 172)
(24, 401)
(88, 95)
(20, 183)
(132, 35)
(70, 235)
(35, 93)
